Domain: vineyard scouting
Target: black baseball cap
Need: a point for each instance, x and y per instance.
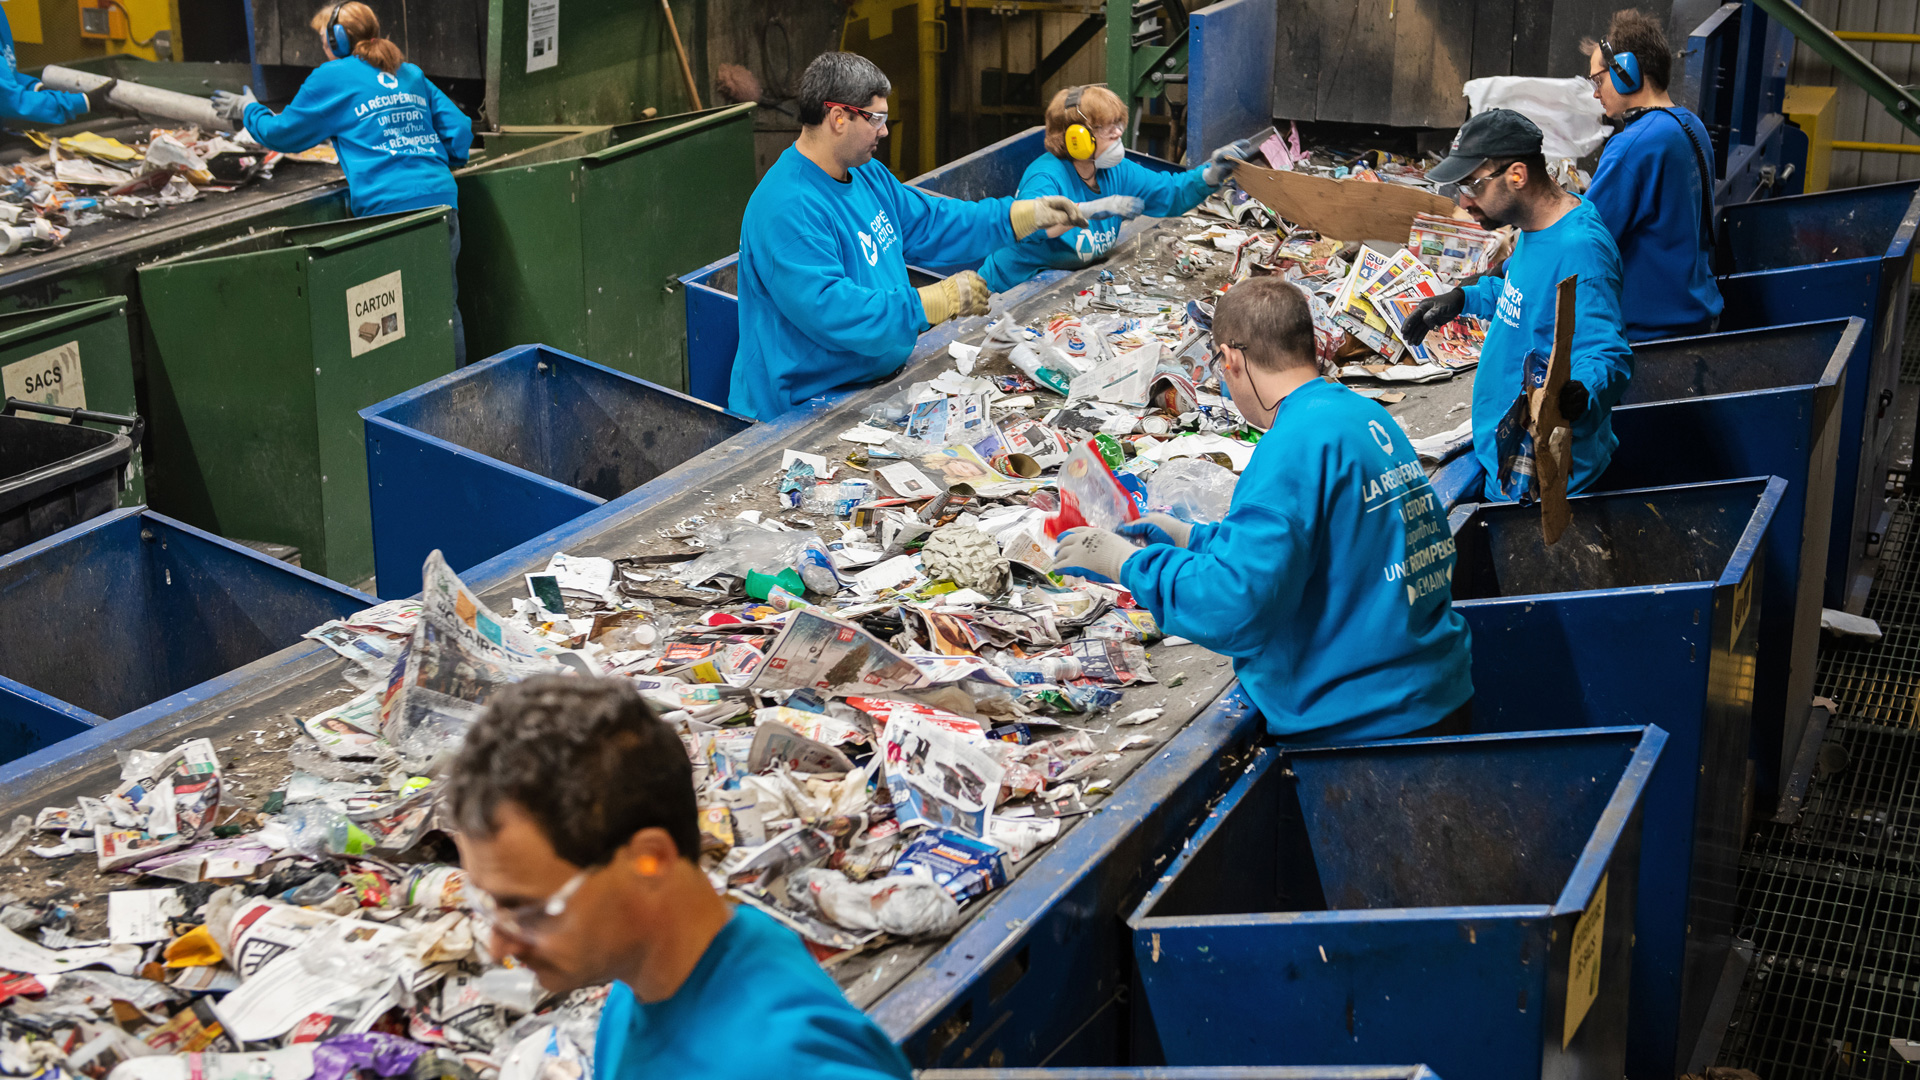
(1495, 133)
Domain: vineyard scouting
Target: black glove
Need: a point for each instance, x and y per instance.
(1433, 313)
(1573, 400)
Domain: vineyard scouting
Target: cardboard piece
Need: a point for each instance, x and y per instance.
(1342, 209)
(1552, 435)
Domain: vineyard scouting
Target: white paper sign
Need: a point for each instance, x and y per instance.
(47, 378)
(543, 35)
(376, 314)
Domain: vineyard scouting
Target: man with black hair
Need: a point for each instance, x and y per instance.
(575, 815)
(1329, 581)
(1654, 184)
(1501, 178)
(825, 301)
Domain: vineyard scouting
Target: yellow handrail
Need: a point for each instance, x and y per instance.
(1874, 35)
(1876, 147)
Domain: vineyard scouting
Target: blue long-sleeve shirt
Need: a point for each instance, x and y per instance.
(21, 97)
(824, 296)
(1165, 194)
(397, 135)
(756, 1005)
(1649, 191)
(1519, 310)
(1329, 580)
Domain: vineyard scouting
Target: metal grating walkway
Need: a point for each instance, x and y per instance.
(1832, 904)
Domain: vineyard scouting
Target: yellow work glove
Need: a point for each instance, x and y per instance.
(1045, 212)
(965, 293)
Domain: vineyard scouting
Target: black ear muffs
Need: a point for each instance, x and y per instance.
(1079, 138)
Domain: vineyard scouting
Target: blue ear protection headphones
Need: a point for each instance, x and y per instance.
(342, 45)
(1624, 68)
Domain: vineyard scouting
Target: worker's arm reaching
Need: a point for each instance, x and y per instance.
(310, 119)
(1223, 589)
(23, 98)
(1602, 360)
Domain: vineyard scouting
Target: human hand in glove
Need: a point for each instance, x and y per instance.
(1126, 206)
(1574, 400)
(1094, 554)
(231, 107)
(965, 293)
(1220, 162)
(1433, 313)
(1045, 212)
(1157, 528)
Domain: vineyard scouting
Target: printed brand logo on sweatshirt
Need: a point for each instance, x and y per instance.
(883, 237)
(1088, 244)
(1509, 306)
(1380, 435)
(389, 80)
(866, 247)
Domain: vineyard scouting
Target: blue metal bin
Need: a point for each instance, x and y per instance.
(1644, 612)
(1831, 255)
(1468, 901)
(493, 455)
(134, 608)
(1224, 1072)
(1754, 403)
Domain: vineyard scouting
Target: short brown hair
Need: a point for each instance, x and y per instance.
(363, 30)
(1098, 107)
(1634, 31)
(1269, 319)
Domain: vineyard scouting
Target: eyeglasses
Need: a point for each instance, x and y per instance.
(877, 119)
(1597, 78)
(1473, 188)
(528, 921)
(1217, 355)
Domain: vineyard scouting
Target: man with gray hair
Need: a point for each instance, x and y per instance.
(825, 301)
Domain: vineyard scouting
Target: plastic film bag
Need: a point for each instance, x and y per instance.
(1192, 489)
(1089, 494)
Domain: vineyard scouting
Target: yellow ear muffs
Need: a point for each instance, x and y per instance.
(1079, 137)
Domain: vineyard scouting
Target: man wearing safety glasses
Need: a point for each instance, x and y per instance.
(825, 300)
(575, 815)
(1501, 177)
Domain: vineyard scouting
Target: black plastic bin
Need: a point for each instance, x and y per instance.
(54, 476)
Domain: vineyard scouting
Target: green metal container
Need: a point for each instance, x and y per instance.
(577, 242)
(260, 353)
(75, 355)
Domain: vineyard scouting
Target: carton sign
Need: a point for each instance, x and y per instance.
(1583, 973)
(376, 314)
(47, 378)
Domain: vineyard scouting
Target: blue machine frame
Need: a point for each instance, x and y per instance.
(1230, 94)
(1646, 606)
(1416, 898)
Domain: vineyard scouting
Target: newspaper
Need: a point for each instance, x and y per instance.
(335, 964)
(263, 930)
(351, 730)
(939, 777)
(824, 653)
(173, 798)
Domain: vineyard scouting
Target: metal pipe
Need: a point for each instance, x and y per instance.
(1876, 147)
(1875, 35)
(136, 98)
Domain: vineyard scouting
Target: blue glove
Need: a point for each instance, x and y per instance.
(1157, 528)
(1220, 162)
(1094, 554)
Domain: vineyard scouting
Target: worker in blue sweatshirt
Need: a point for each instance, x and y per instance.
(22, 98)
(1329, 580)
(825, 300)
(1084, 162)
(1654, 186)
(396, 134)
(1502, 179)
(574, 810)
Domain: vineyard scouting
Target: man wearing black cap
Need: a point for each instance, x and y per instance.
(1502, 179)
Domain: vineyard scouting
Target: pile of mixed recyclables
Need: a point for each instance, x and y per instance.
(86, 178)
(888, 700)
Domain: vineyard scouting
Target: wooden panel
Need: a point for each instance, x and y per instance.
(1356, 62)
(1492, 39)
(1433, 58)
(447, 38)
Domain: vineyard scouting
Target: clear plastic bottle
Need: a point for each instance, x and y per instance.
(316, 829)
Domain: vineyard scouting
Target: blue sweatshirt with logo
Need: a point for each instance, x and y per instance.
(396, 133)
(1649, 191)
(21, 97)
(1519, 310)
(1329, 580)
(824, 297)
(1165, 194)
(756, 1005)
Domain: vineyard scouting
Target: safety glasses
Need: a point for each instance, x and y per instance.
(528, 921)
(877, 119)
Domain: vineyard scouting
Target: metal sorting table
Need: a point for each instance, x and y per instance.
(955, 1002)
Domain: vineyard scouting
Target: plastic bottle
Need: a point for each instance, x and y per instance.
(817, 571)
(317, 829)
(1027, 359)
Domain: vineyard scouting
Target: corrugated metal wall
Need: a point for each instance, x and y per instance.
(1858, 116)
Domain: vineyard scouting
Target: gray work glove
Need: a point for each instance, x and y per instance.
(1157, 528)
(1094, 554)
(1125, 206)
(232, 107)
(1433, 313)
(1220, 162)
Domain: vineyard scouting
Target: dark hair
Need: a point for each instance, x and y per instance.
(1537, 174)
(1634, 31)
(1268, 319)
(363, 29)
(585, 758)
(848, 78)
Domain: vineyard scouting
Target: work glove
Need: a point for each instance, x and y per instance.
(1125, 206)
(1433, 313)
(1030, 215)
(232, 107)
(965, 293)
(1157, 528)
(1094, 554)
(1220, 162)
(1574, 400)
